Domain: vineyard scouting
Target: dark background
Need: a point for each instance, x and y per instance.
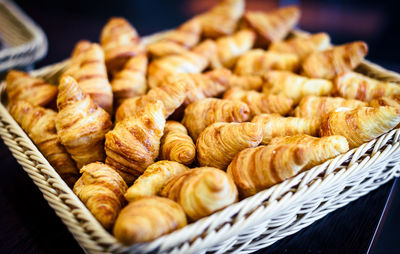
(370, 224)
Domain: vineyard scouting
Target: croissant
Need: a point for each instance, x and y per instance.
(148, 218)
(120, 41)
(258, 62)
(171, 93)
(229, 48)
(22, 86)
(272, 26)
(302, 46)
(131, 80)
(222, 19)
(352, 85)
(177, 41)
(295, 86)
(321, 149)
(205, 112)
(81, 124)
(102, 190)
(331, 62)
(154, 178)
(89, 71)
(274, 125)
(176, 144)
(220, 142)
(194, 61)
(360, 125)
(256, 169)
(134, 142)
(39, 124)
(317, 107)
(201, 191)
(247, 82)
(261, 103)
(393, 101)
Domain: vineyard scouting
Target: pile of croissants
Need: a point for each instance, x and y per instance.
(153, 136)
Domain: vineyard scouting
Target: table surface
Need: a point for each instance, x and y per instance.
(29, 225)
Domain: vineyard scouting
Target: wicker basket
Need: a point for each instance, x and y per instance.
(22, 41)
(253, 223)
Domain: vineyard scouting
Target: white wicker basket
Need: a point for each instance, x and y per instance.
(244, 227)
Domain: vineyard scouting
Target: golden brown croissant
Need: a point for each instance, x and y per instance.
(331, 62)
(39, 124)
(295, 86)
(102, 190)
(222, 19)
(178, 40)
(172, 93)
(229, 48)
(256, 169)
(194, 61)
(317, 107)
(22, 86)
(392, 101)
(148, 218)
(302, 46)
(154, 178)
(205, 112)
(273, 26)
(260, 103)
(274, 125)
(134, 142)
(120, 42)
(81, 124)
(89, 70)
(321, 149)
(220, 142)
(352, 85)
(259, 62)
(360, 125)
(176, 144)
(201, 191)
(131, 80)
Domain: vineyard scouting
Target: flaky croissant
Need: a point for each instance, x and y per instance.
(220, 142)
(274, 125)
(39, 124)
(131, 80)
(102, 190)
(259, 62)
(272, 26)
(261, 103)
(120, 42)
(352, 85)
(222, 19)
(194, 61)
(154, 178)
(148, 218)
(360, 125)
(89, 70)
(314, 107)
(81, 124)
(176, 144)
(201, 191)
(295, 86)
(205, 112)
(302, 46)
(331, 62)
(22, 86)
(256, 169)
(134, 142)
(229, 48)
(177, 41)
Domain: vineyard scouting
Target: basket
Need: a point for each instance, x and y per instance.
(247, 226)
(22, 41)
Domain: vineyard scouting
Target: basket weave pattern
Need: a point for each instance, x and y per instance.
(253, 223)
